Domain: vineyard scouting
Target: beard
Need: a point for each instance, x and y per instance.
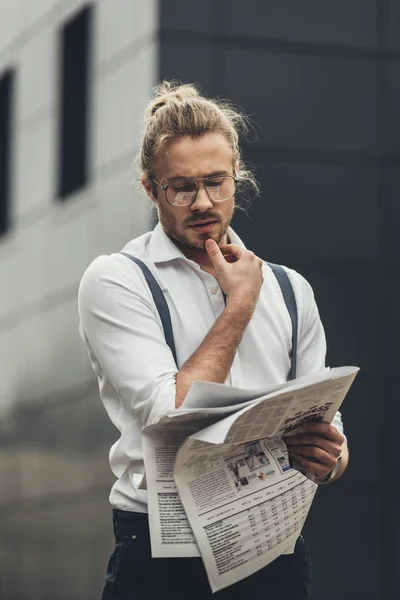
(183, 235)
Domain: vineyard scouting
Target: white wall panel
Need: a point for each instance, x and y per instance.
(122, 97)
(121, 24)
(9, 376)
(12, 21)
(37, 74)
(65, 253)
(121, 214)
(24, 285)
(34, 169)
(36, 10)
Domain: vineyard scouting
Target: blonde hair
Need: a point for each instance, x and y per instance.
(179, 110)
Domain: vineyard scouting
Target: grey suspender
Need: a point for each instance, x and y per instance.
(159, 301)
(162, 306)
(290, 301)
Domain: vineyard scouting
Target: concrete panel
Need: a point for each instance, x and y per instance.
(306, 101)
(390, 108)
(34, 12)
(7, 274)
(10, 469)
(51, 357)
(67, 364)
(12, 21)
(393, 213)
(349, 308)
(122, 96)
(9, 372)
(366, 394)
(56, 447)
(121, 25)
(25, 281)
(352, 23)
(34, 168)
(63, 262)
(37, 78)
(342, 531)
(122, 213)
(197, 67)
(189, 16)
(44, 260)
(393, 38)
(314, 208)
(75, 568)
(53, 458)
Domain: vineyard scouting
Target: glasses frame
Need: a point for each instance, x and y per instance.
(196, 179)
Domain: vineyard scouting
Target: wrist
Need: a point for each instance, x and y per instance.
(332, 475)
(241, 303)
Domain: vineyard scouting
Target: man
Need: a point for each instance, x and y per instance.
(230, 325)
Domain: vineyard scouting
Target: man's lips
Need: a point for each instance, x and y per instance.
(204, 226)
(203, 222)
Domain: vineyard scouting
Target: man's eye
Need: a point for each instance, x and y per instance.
(184, 188)
(214, 182)
(183, 185)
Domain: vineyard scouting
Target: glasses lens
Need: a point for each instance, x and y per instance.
(220, 188)
(181, 191)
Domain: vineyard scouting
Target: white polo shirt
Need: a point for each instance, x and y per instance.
(135, 368)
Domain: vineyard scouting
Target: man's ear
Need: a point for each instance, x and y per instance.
(149, 188)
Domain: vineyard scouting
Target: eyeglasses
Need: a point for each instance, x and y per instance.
(183, 191)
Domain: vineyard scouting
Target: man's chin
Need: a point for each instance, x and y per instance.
(198, 240)
(194, 240)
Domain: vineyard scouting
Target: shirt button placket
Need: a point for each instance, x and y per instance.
(215, 296)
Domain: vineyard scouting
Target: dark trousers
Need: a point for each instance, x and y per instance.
(133, 575)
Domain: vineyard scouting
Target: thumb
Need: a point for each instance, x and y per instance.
(215, 253)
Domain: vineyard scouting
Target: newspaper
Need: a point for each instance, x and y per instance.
(219, 480)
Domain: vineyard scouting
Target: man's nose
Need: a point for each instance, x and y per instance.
(202, 202)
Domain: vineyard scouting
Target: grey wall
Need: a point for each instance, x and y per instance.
(322, 80)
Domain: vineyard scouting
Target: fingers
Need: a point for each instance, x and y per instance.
(321, 429)
(214, 253)
(232, 253)
(315, 455)
(317, 449)
(229, 258)
(314, 441)
(319, 470)
(234, 250)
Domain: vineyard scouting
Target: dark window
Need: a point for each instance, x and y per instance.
(75, 49)
(6, 91)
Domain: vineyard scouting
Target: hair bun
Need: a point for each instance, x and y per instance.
(170, 90)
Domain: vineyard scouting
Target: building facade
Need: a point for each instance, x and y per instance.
(321, 81)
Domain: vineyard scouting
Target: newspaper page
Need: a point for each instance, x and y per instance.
(226, 434)
(245, 503)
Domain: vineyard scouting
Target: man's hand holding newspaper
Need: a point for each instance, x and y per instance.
(315, 448)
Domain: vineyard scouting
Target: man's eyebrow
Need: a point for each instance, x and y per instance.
(213, 174)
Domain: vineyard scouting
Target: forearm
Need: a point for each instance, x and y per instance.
(213, 359)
